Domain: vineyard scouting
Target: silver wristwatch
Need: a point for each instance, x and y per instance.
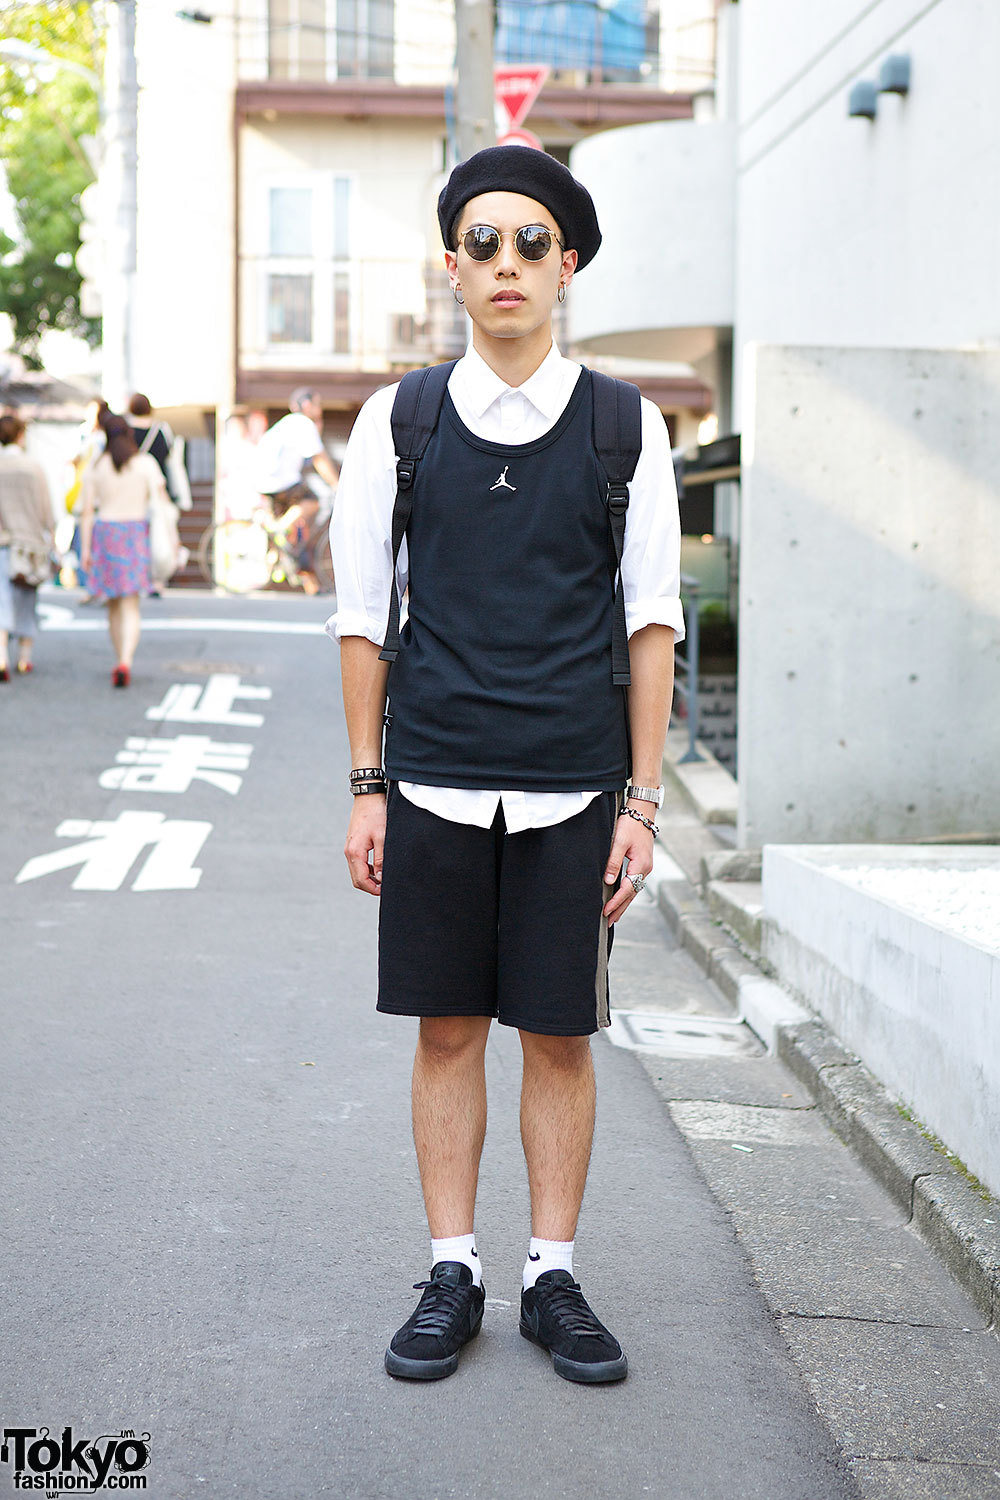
(645, 794)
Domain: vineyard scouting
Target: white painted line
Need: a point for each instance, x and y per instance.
(210, 702)
(57, 617)
(109, 850)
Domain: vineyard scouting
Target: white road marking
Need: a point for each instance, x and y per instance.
(111, 849)
(172, 765)
(209, 703)
(58, 617)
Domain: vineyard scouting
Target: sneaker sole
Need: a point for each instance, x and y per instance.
(402, 1368)
(583, 1372)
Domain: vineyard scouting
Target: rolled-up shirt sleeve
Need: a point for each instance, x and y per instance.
(651, 561)
(361, 526)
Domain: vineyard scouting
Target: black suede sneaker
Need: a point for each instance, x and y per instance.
(556, 1315)
(447, 1316)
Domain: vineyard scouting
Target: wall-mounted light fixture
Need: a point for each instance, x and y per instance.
(894, 74)
(862, 101)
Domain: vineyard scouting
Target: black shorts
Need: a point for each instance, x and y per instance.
(480, 922)
(282, 500)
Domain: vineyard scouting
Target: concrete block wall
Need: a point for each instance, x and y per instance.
(916, 1000)
(869, 690)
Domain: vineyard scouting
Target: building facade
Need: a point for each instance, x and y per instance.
(290, 157)
(821, 242)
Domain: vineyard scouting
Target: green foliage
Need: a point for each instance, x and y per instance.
(44, 114)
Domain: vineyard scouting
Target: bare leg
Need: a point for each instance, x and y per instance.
(558, 1098)
(4, 638)
(24, 645)
(115, 626)
(131, 628)
(449, 1118)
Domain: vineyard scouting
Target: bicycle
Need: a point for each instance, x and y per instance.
(242, 555)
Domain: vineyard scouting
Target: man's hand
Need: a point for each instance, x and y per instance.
(366, 837)
(634, 843)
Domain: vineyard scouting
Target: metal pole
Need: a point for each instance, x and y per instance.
(693, 653)
(122, 95)
(475, 109)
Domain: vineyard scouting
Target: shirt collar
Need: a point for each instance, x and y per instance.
(481, 386)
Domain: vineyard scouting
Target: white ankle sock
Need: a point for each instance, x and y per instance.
(547, 1255)
(459, 1247)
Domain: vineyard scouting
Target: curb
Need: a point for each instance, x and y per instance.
(962, 1227)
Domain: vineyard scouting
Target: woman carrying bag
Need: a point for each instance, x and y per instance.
(120, 493)
(26, 527)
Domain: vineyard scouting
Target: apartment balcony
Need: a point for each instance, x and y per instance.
(663, 284)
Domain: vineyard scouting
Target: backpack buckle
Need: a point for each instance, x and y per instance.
(405, 470)
(617, 497)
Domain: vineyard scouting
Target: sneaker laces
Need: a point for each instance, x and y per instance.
(438, 1306)
(566, 1304)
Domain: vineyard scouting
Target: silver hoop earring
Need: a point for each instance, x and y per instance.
(561, 294)
(456, 293)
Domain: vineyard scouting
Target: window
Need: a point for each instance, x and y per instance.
(306, 281)
(364, 31)
(341, 218)
(289, 309)
(341, 312)
(297, 39)
(290, 219)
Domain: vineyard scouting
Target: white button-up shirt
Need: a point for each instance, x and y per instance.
(361, 540)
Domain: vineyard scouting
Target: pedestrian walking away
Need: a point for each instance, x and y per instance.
(27, 525)
(511, 820)
(118, 492)
(283, 454)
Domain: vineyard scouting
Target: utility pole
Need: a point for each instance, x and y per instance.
(121, 164)
(475, 124)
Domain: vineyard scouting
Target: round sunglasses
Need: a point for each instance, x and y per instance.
(532, 242)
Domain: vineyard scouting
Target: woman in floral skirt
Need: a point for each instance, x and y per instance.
(117, 493)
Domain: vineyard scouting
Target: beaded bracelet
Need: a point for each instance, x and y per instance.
(631, 812)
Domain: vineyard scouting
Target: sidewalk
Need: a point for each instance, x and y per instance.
(902, 1364)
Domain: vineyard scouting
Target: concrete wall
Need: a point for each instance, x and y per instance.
(916, 1002)
(859, 233)
(662, 282)
(869, 607)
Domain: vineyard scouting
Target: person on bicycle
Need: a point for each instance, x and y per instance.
(282, 456)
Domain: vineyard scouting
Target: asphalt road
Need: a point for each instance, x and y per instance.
(212, 1218)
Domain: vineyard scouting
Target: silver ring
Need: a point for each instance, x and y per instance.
(638, 881)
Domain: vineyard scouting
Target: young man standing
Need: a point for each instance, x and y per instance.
(496, 835)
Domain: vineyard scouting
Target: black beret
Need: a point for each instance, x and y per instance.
(522, 169)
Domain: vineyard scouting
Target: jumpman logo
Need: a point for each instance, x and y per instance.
(501, 483)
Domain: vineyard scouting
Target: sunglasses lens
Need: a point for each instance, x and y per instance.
(481, 242)
(533, 242)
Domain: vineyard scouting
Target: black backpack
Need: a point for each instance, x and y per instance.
(617, 441)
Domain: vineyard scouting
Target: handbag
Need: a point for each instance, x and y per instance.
(29, 566)
(164, 541)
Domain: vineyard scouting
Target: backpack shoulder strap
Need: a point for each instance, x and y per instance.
(618, 443)
(415, 413)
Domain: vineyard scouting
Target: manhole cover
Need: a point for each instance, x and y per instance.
(209, 668)
(682, 1035)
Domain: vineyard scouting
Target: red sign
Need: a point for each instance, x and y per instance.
(517, 88)
(521, 138)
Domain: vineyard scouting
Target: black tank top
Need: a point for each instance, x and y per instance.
(503, 678)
